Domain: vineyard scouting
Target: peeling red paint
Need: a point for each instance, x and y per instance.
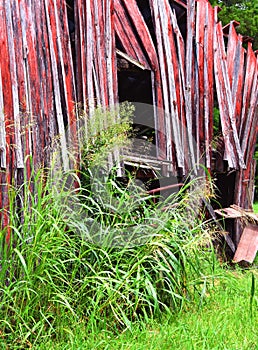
(46, 72)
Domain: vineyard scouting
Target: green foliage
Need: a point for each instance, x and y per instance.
(50, 276)
(223, 322)
(53, 276)
(216, 122)
(245, 12)
(106, 131)
(102, 258)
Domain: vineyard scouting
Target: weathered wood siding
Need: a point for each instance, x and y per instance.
(44, 88)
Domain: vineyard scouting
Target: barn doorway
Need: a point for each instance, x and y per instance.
(135, 86)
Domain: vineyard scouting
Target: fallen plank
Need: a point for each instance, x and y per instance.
(234, 212)
(228, 213)
(248, 245)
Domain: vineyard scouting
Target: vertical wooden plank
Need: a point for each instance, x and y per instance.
(189, 78)
(237, 81)
(171, 64)
(159, 115)
(95, 62)
(208, 81)
(57, 95)
(78, 44)
(112, 72)
(127, 23)
(250, 89)
(180, 48)
(8, 113)
(2, 128)
(65, 57)
(110, 55)
(226, 108)
(6, 85)
(250, 147)
(99, 49)
(231, 51)
(89, 58)
(42, 98)
(84, 50)
(210, 67)
(14, 86)
(20, 71)
(30, 17)
(27, 93)
(235, 62)
(244, 177)
(199, 64)
(225, 124)
(58, 20)
(167, 123)
(112, 49)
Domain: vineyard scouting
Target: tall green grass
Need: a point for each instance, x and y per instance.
(55, 272)
(223, 322)
(98, 255)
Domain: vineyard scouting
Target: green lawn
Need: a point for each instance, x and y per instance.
(255, 206)
(224, 321)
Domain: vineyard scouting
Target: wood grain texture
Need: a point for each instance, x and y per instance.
(51, 80)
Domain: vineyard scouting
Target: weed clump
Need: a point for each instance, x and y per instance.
(92, 258)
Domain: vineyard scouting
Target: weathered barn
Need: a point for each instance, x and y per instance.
(173, 55)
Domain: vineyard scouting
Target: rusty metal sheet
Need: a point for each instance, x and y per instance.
(248, 245)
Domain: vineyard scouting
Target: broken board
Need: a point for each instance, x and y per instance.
(235, 212)
(248, 245)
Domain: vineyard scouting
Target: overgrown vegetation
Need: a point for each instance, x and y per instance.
(103, 260)
(51, 276)
(223, 321)
(104, 132)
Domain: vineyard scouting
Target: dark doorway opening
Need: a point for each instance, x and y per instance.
(135, 86)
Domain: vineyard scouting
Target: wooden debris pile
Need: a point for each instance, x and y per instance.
(57, 54)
